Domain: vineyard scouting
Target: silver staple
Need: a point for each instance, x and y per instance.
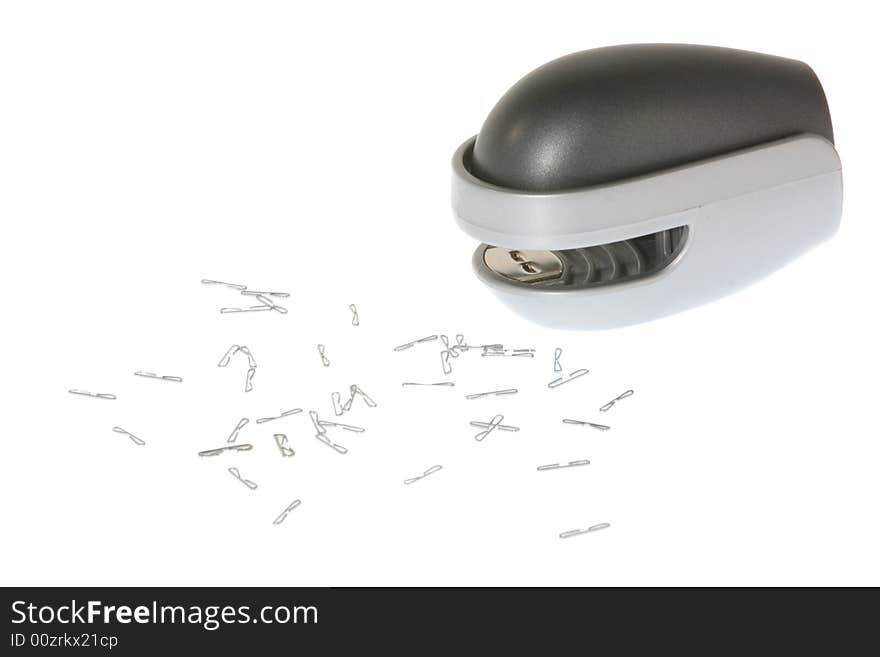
(247, 352)
(249, 309)
(228, 355)
(134, 439)
(346, 427)
(234, 286)
(96, 395)
(283, 445)
(462, 346)
(555, 383)
(600, 427)
(324, 360)
(244, 447)
(292, 411)
(557, 354)
(347, 405)
(336, 400)
(247, 482)
(355, 319)
(479, 395)
(335, 446)
(440, 383)
(316, 422)
(407, 345)
(367, 399)
(499, 350)
(152, 375)
(558, 466)
(249, 380)
(238, 427)
(355, 390)
(452, 351)
(500, 427)
(577, 532)
(445, 361)
(607, 407)
(429, 471)
(283, 515)
(254, 293)
(266, 301)
(493, 424)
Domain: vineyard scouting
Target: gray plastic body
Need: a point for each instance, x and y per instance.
(729, 218)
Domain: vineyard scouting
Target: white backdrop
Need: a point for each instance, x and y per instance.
(306, 148)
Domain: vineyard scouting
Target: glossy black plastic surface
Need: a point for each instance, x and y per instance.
(613, 113)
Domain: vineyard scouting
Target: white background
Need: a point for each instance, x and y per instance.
(306, 147)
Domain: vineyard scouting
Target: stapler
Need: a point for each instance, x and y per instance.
(618, 185)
